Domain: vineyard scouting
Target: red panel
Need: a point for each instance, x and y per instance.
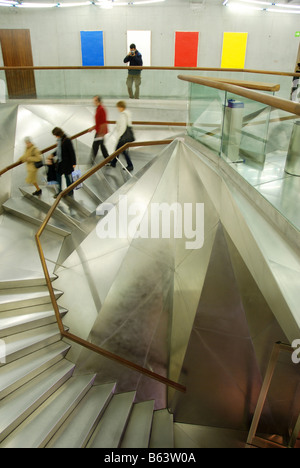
(186, 49)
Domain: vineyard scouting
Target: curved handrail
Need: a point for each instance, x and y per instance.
(273, 101)
(84, 132)
(12, 166)
(65, 333)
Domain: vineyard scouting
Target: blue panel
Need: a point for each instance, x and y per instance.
(92, 48)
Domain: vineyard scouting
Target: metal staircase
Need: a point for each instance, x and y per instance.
(43, 401)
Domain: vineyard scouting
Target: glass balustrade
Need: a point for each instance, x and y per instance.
(259, 141)
(79, 83)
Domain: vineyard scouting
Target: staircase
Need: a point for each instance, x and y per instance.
(43, 401)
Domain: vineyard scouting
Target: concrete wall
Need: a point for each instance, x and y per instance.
(55, 33)
(8, 119)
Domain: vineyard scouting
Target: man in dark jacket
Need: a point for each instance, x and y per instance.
(134, 76)
(65, 158)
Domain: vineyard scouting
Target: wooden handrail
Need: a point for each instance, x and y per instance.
(273, 101)
(84, 132)
(112, 122)
(8, 168)
(257, 85)
(66, 334)
(204, 69)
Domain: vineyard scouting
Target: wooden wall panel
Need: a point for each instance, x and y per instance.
(16, 51)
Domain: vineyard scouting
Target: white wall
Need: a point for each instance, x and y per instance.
(55, 37)
(55, 33)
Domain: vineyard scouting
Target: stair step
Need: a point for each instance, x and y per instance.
(19, 372)
(79, 201)
(24, 297)
(62, 213)
(77, 429)
(42, 424)
(21, 344)
(28, 211)
(27, 318)
(138, 430)
(98, 187)
(17, 406)
(162, 435)
(109, 431)
(15, 277)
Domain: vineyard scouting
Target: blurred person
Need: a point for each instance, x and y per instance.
(123, 123)
(31, 156)
(64, 158)
(101, 129)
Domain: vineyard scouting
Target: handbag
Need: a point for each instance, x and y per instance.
(75, 176)
(38, 164)
(127, 136)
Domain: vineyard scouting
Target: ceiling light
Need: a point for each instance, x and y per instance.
(66, 5)
(36, 5)
(272, 7)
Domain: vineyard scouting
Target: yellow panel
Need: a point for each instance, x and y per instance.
(234, 50)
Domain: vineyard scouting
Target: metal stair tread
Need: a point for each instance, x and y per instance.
(16, 407)
(27, 210)
(30, 340)
(18, 372)
(162, 434)
(16, 320)
(137, 434)
(76, 430)
(11, 298)
(62, 211)
(40, 426)
(112, 424)
(15, 277)
(98, 187)
(78, 202)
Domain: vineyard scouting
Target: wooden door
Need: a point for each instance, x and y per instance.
(16, 52)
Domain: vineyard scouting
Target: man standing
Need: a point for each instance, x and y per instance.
(100, 128)
(134, 76)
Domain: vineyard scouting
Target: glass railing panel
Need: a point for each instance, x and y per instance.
(205, 119)
(259, 141)
(274, 171)
(111, 83)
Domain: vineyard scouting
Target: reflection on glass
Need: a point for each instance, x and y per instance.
(206, 116)
(255, 139)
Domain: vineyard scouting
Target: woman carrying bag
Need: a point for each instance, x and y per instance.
(123, 133)
(33, 159)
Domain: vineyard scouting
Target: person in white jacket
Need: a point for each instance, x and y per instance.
(122, 123)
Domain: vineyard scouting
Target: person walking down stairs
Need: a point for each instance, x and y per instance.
(31, 156)
(65, 159)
